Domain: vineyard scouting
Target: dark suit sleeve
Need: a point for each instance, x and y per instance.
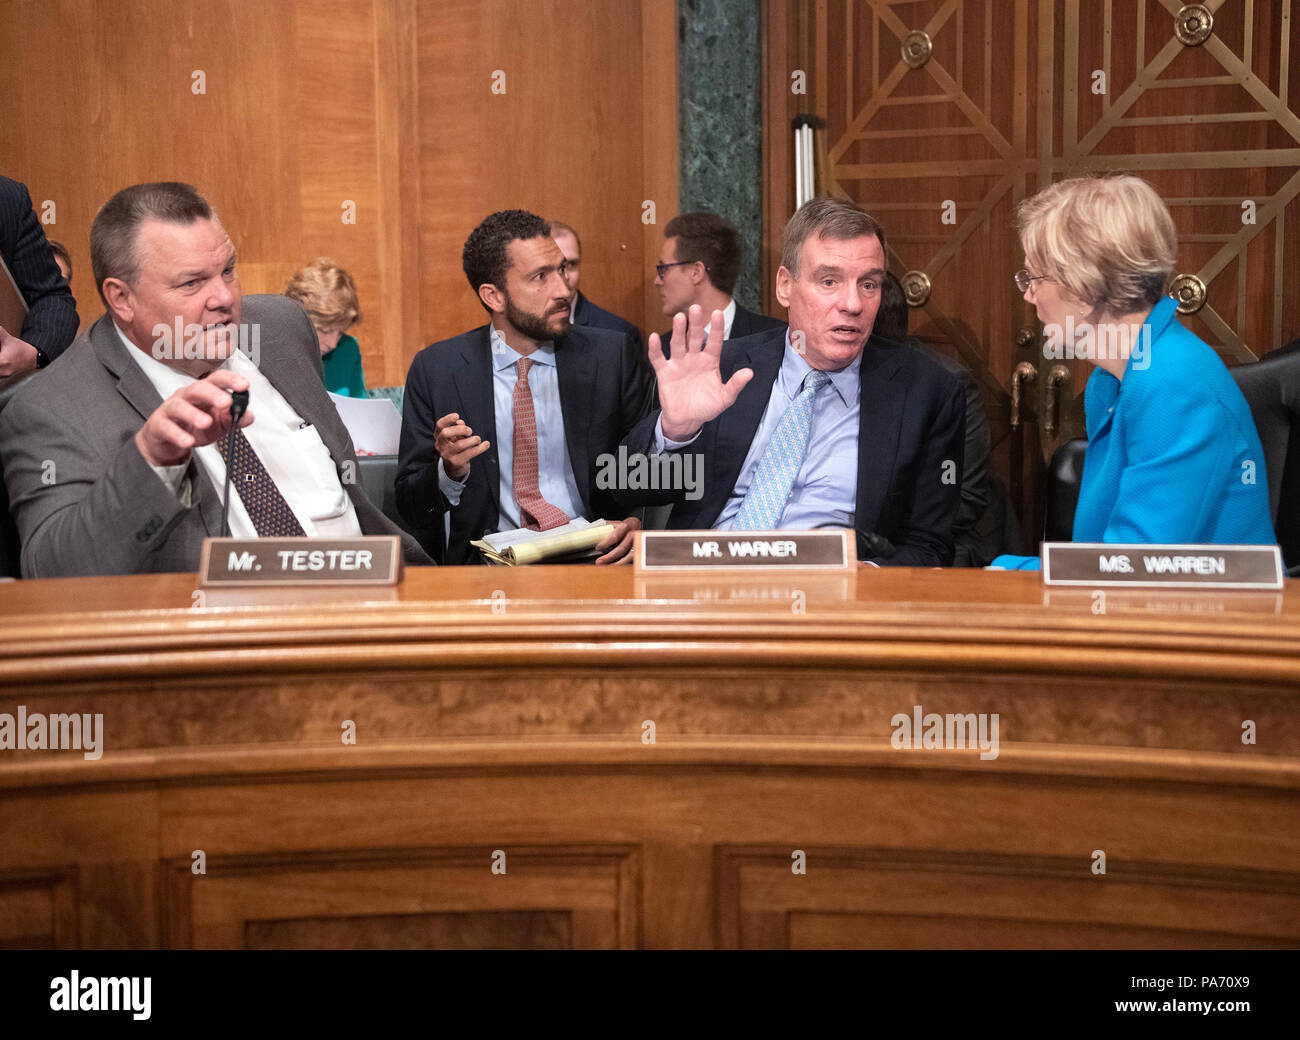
(51, 322)
(641, 441)
(419, 498)
(925, 536)
(638, 384)
(976, 488)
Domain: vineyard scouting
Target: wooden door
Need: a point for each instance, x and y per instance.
(942, 115)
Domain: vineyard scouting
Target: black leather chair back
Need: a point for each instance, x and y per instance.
(1271, 387)
(1064, 475)
(378, 474)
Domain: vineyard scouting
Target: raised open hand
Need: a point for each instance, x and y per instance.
(691, 390)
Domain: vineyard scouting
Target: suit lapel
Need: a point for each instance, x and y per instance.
(473, 377)
(575, 370)
(739, 423)
(881, 406)
(142, 395)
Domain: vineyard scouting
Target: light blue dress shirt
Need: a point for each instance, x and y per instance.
(825, 490)
(555, 477)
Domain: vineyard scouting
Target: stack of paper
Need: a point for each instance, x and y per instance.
(374, 423)
(575, 541)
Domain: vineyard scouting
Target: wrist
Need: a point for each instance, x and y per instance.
(678, 433)
(155, 459)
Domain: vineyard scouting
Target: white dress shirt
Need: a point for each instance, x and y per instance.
(288, 446)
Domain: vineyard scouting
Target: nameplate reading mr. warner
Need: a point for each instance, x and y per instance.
(1190, 566)
(368, 560)
(831, 549)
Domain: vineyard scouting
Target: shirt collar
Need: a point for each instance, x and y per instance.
(504, 355)
(163, 375)
(794, 369)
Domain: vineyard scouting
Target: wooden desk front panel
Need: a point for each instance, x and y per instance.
(514, 738)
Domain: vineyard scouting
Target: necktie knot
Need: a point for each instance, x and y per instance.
(521, 367)
(815, 380)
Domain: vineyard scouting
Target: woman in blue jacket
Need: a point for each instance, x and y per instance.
(1173, 456)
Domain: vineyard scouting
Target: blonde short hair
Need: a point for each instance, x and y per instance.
(1109, 241)
(327, 293)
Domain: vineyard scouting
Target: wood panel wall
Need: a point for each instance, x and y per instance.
(385, 104)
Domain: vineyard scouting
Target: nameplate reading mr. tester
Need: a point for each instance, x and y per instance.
(830, 549)
(1190, 566)
(368, 560)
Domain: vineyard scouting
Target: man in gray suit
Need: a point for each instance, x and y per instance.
(114, 457)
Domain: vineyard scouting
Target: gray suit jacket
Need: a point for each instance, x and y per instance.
(85, 500)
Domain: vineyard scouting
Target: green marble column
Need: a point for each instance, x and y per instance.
(719, 56)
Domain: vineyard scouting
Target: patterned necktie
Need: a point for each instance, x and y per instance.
(265, 506)
(535, 513)
(765, 501)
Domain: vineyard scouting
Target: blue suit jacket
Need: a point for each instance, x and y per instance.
(605, 388)
(1173, 455)
(588, 315)
(913, 420)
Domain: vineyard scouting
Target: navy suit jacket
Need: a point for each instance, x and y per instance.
(605, 388)
(588, 315)
(913, 416)
(51, 322)
(745, 323)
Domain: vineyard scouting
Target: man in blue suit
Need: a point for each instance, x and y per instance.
(505, 427)
(582, 311)
(51, 321)
(815, 425)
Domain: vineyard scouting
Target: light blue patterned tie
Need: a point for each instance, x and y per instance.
(767, 495)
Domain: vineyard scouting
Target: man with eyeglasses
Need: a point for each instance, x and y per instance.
(698, 265)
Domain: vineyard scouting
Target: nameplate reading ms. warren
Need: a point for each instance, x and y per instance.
(830, 549)
(367, 560)
(1190, 566)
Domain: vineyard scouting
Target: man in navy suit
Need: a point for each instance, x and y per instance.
(817, 425)
(505, 427)
(51, 321)
(582, 311)
(47, 329)
(698, 266)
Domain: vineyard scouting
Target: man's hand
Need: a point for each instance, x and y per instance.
(691, 391)
(195, 415)
(621, 541)
(456, 445)
(16, 355)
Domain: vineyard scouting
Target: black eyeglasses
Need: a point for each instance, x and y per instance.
(1024, 279)
(661, 268)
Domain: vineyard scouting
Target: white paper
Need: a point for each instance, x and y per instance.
(502, 540)
(374, 423)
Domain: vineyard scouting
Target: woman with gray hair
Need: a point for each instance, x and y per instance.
(1173, 455)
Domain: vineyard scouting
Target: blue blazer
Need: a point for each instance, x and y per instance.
(588, 315)
(912, 420)
(606, 386)
(1173, 455)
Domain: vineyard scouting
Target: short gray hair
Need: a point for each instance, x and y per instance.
(116, 227)
(840, 219)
